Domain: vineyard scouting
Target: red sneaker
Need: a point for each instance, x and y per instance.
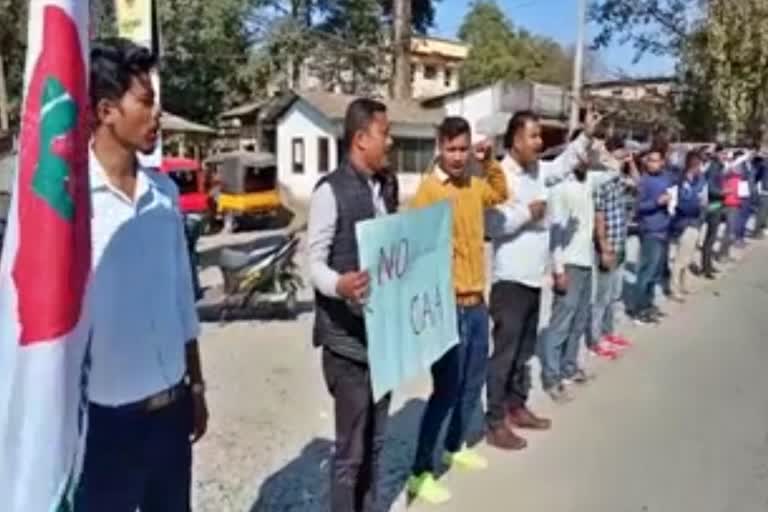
(605, 351)
(618, 341)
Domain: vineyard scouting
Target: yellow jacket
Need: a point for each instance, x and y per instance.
(470, 196)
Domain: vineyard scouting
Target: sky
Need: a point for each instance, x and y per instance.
(555, 19)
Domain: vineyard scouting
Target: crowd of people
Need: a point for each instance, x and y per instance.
(565, 222)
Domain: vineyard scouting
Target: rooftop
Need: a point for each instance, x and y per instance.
(334, 106)
(438, 46)
(173, 123)
(651, 80)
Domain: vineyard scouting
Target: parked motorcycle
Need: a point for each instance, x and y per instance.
(265, 275)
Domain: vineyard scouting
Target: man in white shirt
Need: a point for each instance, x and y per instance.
(146, 390)
(521, 257)
(572, 245)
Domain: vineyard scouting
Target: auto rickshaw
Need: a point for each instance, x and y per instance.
(247, 184)
(190, 179)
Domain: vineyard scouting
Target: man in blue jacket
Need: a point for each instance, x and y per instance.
(653, 223)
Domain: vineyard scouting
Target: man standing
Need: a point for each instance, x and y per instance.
(572, 252)
(611, 227)
(653, 222)
(146, 388)
(458, 377)
(520, 233)
(686, 223)
(361, 188)
(714, 215)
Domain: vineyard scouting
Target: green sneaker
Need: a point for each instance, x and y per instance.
(424, 487)
(467, 459)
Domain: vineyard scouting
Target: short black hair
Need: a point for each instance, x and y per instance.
(718, 148)
(452, 127)
(359, 115)
(517, 123)
(692, 155)
(615, 143)
(114, 64)
(660, 144)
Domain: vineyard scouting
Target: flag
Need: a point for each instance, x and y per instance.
(44, 270)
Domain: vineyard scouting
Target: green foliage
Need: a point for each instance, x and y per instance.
(13, 36)
(501, 52)
(651, 26)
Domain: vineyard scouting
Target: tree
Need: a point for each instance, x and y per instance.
(659, 27)
(724, 67)
(13, 36)
(350, 45)
(498, 51)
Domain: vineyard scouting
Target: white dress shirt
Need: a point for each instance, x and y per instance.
(521, 247)
(142, 302)
(321, 229)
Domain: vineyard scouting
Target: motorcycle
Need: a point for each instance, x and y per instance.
(265, 275)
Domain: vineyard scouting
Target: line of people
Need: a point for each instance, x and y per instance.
(568, 219)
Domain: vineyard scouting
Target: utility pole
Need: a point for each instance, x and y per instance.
(3, 99)
(401, 41)
(578, 64)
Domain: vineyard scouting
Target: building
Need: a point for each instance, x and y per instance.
(185, 138)
(645, 89)
(637, 108)
(435, 65)
(248, 127)
(488, 108)
(310, 129)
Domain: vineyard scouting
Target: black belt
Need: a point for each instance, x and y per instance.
(157, 401)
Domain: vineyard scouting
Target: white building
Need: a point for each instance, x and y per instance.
(309, 132)
(488, 108)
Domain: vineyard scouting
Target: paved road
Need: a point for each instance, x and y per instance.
(679, 424)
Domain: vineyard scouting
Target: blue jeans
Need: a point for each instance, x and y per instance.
(650, 270)
(745, 212)
(137, 460)
(607, 295)
(457, 384)
(559, 347)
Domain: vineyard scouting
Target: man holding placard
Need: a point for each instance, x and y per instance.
(459, 375)
(360, 189)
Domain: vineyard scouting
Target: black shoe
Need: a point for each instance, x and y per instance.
(711, 276)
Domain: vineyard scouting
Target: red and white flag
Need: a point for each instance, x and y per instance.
(44, 270)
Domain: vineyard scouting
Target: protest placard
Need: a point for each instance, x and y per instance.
(410, 315)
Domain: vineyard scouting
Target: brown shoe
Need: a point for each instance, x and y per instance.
(503, 438)
(523, 418)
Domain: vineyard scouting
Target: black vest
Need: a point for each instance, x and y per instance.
(337, 326)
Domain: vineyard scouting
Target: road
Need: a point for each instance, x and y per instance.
(680, 423)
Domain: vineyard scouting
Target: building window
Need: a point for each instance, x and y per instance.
(618, 92)
(412, 156)
(448, 78)
(322, 154)
(430, 72)
(297, 155)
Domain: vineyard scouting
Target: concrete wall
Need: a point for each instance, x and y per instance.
(472, 106)
(303, 122)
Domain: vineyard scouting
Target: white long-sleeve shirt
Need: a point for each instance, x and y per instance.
(573, 224)
(521, 247)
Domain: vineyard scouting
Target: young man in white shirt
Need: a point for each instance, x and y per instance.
(146, 390)
(572, 245)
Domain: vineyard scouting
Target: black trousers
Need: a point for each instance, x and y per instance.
(514, 309)
(713, 220)
(360, 432)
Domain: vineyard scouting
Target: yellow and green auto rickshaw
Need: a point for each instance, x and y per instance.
(246, 188)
